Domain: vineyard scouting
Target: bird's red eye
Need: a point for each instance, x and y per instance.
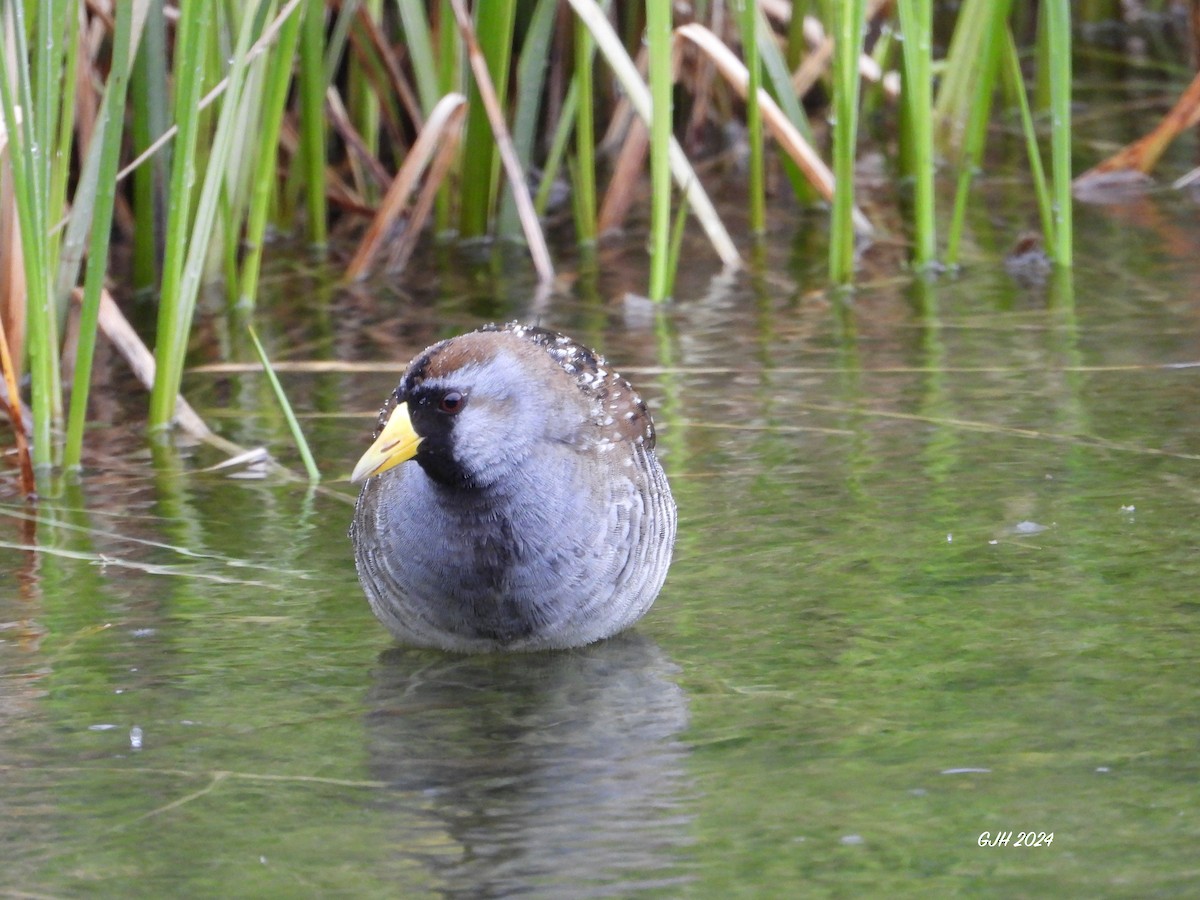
(452, 402)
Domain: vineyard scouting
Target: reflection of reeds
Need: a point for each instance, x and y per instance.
(244, 117)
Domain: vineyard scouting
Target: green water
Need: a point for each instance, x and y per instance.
(936, 576)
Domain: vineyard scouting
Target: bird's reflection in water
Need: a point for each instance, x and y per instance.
(546, 774)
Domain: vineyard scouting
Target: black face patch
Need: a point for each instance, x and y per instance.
(432, 420)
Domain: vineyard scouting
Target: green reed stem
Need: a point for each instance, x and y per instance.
(754, 125)
(419, 44)
(219, 191)
(974, 135)
(778, 80)
(1042, 67)
(677, 232)
(150, 101)
(881, 53)
(957, 84)
(450, 80)
(262, 185)
(450, 51)
(245, 151)
(29, 187)
(1016, 82)
(795, 47)
(227, 233)
(365, 109)
(585, 141)
(558, 149)
(494, 23)
(642, 101)
(50, 26)
(192, 33)
(312, 119)
(848, 26)
(337, 35)
(658, 40)
(60, 171)
(1056, 18)
(109, 130)
(310, 464)
(531, 78)
(47, 72)
(79, 225)
(171, 348)
(916, 21)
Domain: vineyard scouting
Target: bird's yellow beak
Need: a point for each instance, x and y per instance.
(397, 443)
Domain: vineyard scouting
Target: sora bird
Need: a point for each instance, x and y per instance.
(536, 515)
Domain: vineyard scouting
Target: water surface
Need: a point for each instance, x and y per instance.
(936, 576)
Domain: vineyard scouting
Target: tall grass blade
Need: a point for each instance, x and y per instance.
(531, 78)
(848, 18)
(335, 40)
(676, 246)
(79, 224)
(639, 97)
(1056, 19)
(451, 80)
(172, 341)
(779, 86)
(310, 464)
(493, 108)
(584, 194)
(794, 44)
(150, 101)
(779, 75)
(30, 187)
(47, 63)
(960, 74)
(1016, 85)
(312, 119)
(658, 41)
(246, 151)
(418, 40)
(799, 151)
(108, 133)
(365, 106)
(974, 134)
(754, 125)
(558, 149)
(192, 32)
(61, 155)
(278, 81)
(493, 34)
(916, 22)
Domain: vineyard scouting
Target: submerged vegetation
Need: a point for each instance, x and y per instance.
(182, 133)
